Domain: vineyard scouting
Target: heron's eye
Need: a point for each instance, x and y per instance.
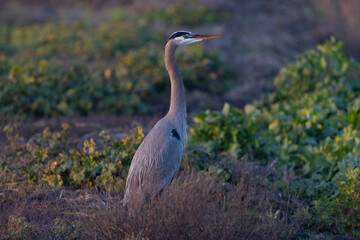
(186, 36)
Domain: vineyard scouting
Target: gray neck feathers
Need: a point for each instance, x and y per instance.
(177, 111)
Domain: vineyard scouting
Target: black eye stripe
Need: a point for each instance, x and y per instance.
(178, 34)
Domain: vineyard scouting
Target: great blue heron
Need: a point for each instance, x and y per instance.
(158, 158)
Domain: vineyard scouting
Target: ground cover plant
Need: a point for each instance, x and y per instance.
(87, 66)
(45, 160)
(308, 128)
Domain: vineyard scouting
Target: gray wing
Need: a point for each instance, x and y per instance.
(154, 164)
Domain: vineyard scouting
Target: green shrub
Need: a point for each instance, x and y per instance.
(229, 131)
(47, 160)
(18, 228)
(106, 169)
(344, 205)
(309, 125)
(25, 162)
(64, 230)
(83, 67)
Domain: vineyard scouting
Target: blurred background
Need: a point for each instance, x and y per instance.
(100, 63)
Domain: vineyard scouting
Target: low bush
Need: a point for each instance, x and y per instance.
(309, 126)
(44, 160)
(229, 131)
(83, 67)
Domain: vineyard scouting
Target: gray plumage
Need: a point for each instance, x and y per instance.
(158, 158)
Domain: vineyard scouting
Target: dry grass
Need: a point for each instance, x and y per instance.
(199, 208)
(193, 207)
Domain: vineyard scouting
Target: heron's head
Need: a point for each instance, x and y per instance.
(182, 38)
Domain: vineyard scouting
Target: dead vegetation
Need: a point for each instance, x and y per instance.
(193, 207)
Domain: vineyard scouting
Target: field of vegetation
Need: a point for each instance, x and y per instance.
(287, 166)
(85, 67)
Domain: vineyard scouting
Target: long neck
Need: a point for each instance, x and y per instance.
(177, 111)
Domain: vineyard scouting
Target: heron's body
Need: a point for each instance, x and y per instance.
(158, 158)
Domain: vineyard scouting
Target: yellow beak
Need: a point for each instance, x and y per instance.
(202, 37)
